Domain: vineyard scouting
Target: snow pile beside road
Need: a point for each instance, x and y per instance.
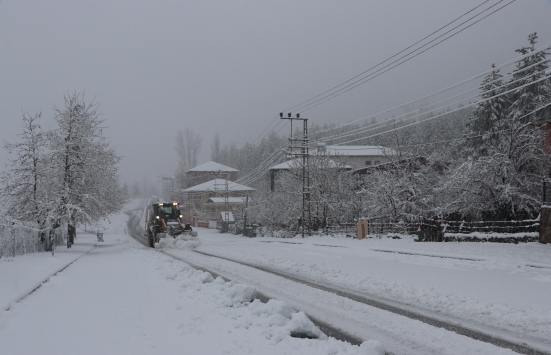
(281, 320)
(180, 242)
(274, 321)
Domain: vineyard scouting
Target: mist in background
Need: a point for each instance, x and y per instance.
(157, 67)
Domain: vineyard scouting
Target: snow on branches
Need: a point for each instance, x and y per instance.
(65, 176)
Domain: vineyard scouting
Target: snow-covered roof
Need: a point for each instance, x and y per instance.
(218, 185)
(353, 150)
(230, 200)
(212, 166)
(297, 163)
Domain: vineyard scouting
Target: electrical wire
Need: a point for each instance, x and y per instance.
(384, 61)
(394, 119)
(276, 153)
(446, 113)
(541, 49)
(359, 82)
(263, 168)
(306, 103)
(475, 136)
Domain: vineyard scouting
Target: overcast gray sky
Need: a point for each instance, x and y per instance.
(231, 66)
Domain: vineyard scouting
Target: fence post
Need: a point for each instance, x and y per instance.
(545, 225)
(545, 214)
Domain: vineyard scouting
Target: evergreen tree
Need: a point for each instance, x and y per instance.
(531, 97)
(505, 180)
(487, 119)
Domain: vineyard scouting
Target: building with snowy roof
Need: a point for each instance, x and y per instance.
(317, 162)
(357, 156)
(207, 171)
(195, 198)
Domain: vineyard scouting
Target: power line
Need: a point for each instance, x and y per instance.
(386, 60)
(321, 98)
(261, 172)
(541, 49)
(475, 136)
(373, 127)
(304, 103)
(359, 82)
(446, 113)
(275, 155)
(393, 119)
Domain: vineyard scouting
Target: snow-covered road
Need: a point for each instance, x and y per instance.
(493, 285)
(120, 297)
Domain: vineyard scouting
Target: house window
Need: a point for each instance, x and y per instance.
(377, 162)
(367, 162)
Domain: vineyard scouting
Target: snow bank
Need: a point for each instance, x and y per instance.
(275, 320)
(180, 242)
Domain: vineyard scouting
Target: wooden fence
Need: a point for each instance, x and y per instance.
(442, 230)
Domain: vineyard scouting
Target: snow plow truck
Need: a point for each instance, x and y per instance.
(163, 219)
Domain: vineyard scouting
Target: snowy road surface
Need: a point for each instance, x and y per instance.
(123, 298)
(506, 286)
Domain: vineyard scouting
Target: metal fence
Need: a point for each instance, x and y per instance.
(18, 238)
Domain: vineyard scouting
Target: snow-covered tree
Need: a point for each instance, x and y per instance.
(23, 193)
(83, 166)
(530, 70)
(503, 180)
(487, 119)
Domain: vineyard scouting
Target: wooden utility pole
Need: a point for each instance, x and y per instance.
(303, 145)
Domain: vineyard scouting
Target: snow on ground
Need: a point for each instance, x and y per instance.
(122, 298)
(180, 242)
(496, 285)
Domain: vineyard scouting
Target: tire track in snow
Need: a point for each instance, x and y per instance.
(326, 328)
(509, 341)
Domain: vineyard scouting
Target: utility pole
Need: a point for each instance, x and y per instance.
(226, 202)
(245, 214)
(303, 145)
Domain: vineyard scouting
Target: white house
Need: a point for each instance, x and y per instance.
(195, 198)
(357, 156)
(296, 163)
